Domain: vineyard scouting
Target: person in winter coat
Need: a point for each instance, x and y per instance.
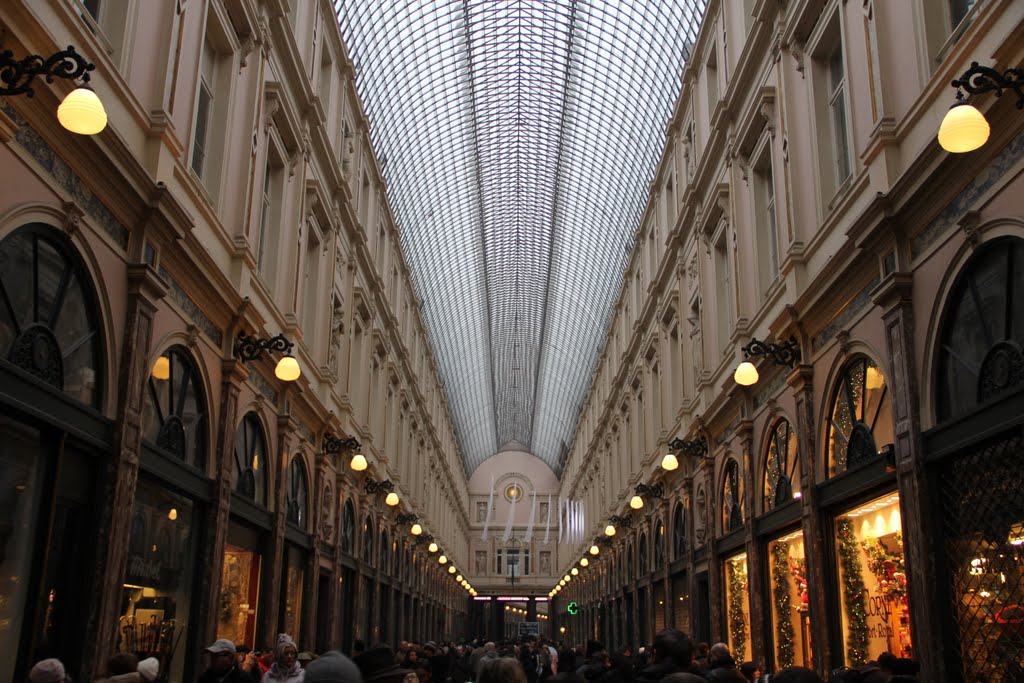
(722, 667)
(223, 665)
(672, 652)
(286, 668)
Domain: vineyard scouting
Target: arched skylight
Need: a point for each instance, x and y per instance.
(518, 139)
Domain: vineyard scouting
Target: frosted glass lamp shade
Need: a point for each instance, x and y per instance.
(162, 368)
(669, 462)
(82, 112)
(358, 462)
(636, 502)
(594, 550)
(288, 369)
(416, 530)
(609, 530)
(391, 499)
(963, 129)
(746, 374)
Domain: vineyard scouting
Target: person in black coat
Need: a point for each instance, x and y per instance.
(722, 667)
(672, 653)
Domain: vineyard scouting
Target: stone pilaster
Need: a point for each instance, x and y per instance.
(801, 380)
(145, 289)
(921, 532)
(757, 591)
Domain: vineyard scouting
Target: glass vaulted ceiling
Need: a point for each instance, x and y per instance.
(518, 140)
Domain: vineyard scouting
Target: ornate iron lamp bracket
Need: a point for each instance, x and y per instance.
(979, 80)
(17, 75)
(783, 353)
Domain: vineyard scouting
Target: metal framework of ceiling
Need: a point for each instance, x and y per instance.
(518, 139)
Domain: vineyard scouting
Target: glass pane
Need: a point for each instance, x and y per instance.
(293, 592)
(239, 595)
(737, 604)
(76, 335)
(16, 271)
(873, 581)
(791, 623)
(20, 492)
(158, 577)
(525, 197)
(51, 271)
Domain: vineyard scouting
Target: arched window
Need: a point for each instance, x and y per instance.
(659, 546)
(348, 528)
(678, 533)
(48, 313)
(642, 563)
(860, 416)
(781, 467)
(248, 478)
(174, 412)
(383, 551)
(368, 540)
(298, 493)
(732, 497)
(983, 330)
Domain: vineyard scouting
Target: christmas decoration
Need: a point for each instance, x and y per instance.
(798, 570)
(888, 567)
(854, 594)
(737, 622)
(783, 610)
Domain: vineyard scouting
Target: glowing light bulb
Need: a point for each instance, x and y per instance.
(432, 548)
(391, 499)
(82, 112)
(416, 530)
(636, 502)
(594, 550)
(963, 129)
(358, 463)
(162, 368)
(669, 462)
(288, 369)
(746, 374)
(609, 530)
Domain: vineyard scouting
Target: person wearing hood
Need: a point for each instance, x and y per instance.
(286, 668)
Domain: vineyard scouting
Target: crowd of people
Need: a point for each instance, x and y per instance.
(672, 658)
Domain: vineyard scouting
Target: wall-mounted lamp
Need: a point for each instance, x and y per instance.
(410, 518)
(248, 348)
(964, 128)
(655, 491)
(694, 448)
(333, 445)
(594, 550)
(584, 562)
(425, 538)
(375, 487)
(81, 111)
(784, 353)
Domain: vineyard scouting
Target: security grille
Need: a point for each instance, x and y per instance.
(983, 502)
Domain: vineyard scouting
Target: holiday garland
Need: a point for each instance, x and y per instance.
(737, 624)
(783, 609)
(854, 594)
(888, 567)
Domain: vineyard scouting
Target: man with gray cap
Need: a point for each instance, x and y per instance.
(333, 667)
(48, 671)
(223, 666)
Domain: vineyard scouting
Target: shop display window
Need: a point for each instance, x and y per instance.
(737, 606)
(239, 595)
(791, 623)
(20, 494)
(295, 580)
(681, 604)
(158, 578)
(873, 581)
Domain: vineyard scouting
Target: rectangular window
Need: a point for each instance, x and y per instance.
(959, 9)
(711, 74)
(311, 283)
(723, 312)
(92, 7)
(791, 619)
(873, 581)
(204, 111)
(271, 216)
(837, 114)
(766, 236)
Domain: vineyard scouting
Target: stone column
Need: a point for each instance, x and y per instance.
(275, 561)
(145, 289)
(757, 591)
(922, 533)
(801, 380)
(717, 620)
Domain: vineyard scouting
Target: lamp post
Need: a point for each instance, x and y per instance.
(249, 347)
(782, 353)
(81, 111)
(964, 128)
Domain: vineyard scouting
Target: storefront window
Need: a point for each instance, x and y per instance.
(873, 581)
(681, 603)
(21, 471)
(158, 577)
(659, 546)
(791, 623)
(295, 580)
(737, 603)
(239, 595)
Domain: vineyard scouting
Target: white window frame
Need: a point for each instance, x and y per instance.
(766, 217)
